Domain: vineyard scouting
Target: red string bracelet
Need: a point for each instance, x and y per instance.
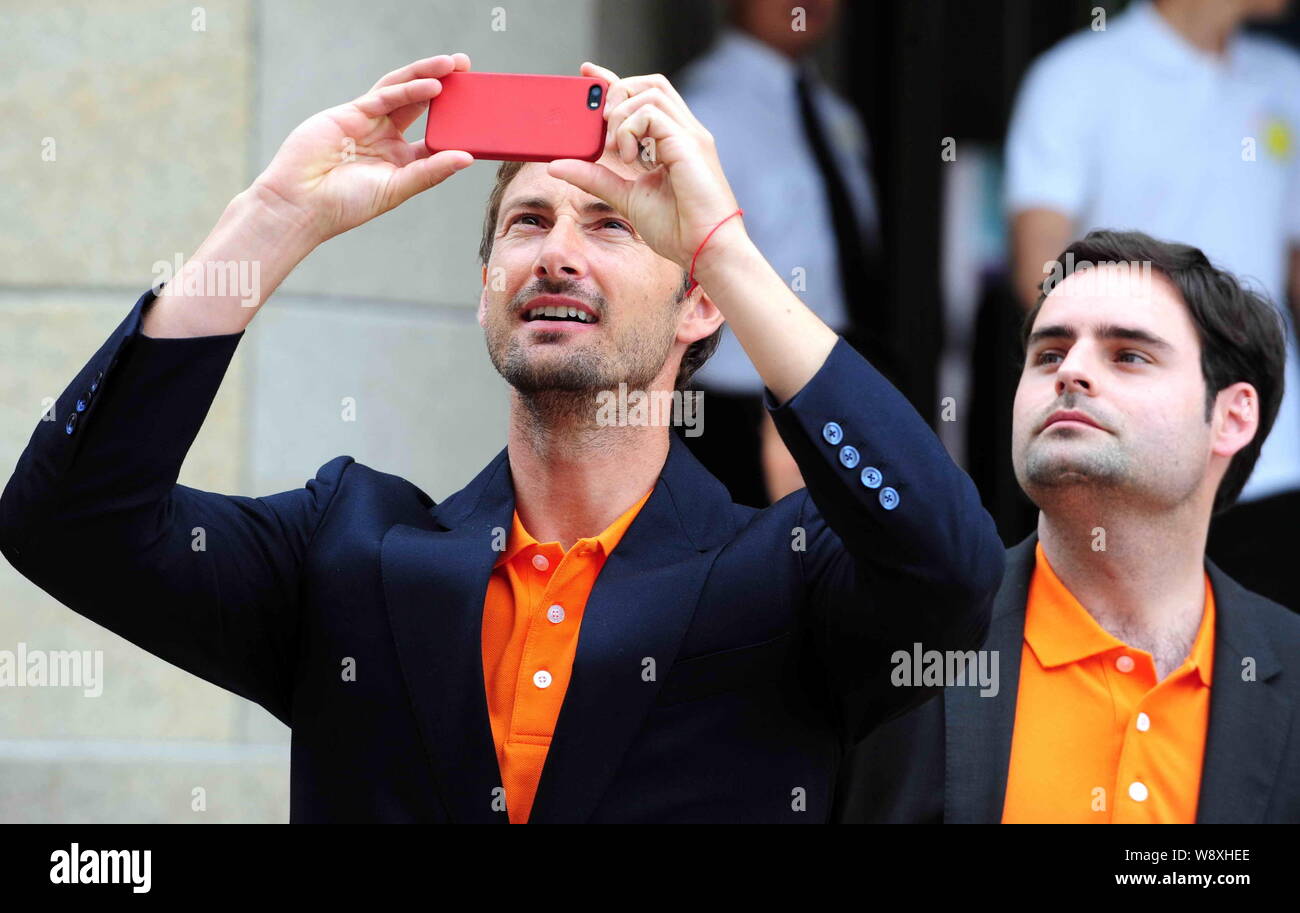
(738, 212)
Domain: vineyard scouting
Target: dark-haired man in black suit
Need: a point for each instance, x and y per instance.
(1138, 682)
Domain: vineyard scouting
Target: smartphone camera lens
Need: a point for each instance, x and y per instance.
(593, 97)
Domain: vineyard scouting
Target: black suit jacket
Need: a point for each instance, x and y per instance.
(727, 656)
(947, 760)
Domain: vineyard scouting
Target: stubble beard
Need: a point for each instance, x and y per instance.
(562, 391)
(1102, 468)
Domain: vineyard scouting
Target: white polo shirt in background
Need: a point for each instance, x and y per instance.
(744, 93)
(1134, 127)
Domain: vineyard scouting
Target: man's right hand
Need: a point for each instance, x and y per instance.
(348, 164)
(335, 171)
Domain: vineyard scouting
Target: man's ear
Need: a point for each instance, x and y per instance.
(482, 301)
(700, 318)
(1236, 419)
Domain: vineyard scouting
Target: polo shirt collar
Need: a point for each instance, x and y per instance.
(1164, 43)
(520, 539)
(1203, 649)
(1060, 630)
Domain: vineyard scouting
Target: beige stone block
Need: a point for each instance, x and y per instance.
(148, 121)
(425, 401)
(140, 789)
(138, 696)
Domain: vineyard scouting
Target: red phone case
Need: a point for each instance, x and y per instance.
(517, 117)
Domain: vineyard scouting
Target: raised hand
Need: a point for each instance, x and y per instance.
(350, 163)
(683, 193)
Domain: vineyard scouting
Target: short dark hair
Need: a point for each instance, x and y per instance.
(1242, 335)
(696, 354)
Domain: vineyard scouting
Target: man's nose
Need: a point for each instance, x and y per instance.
(561, 255)
(1074, 374)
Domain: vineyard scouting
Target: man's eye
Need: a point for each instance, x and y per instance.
(527, 215)
(1141, 359)
(1043, 357)
(621, 224)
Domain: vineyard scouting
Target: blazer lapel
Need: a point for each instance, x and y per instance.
(1247, 724)
(639, 610)
(435, 581)
(1248, 717)
(978, 729)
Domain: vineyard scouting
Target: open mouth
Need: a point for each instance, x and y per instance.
(558, 313)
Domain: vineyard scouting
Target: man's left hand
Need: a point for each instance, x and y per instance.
(683, 194)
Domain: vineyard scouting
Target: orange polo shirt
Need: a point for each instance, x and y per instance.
(531, 616)
(1097, 739)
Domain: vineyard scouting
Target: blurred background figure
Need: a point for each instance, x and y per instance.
(1173, 121)
(796, 154)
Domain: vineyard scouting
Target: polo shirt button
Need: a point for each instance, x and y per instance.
(1138, 791)
(888, 498)
(832, 432)
(1143, 722)
(555, 614)
(849, 456)
(81, 405)
(540, 562)
(1124, 663)
(871, 477)
(542, 678)
(94, 384)
(71, 425)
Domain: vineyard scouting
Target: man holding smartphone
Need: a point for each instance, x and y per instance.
(590, 630)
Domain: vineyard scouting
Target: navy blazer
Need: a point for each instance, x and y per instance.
(727, 655)
(947, 760)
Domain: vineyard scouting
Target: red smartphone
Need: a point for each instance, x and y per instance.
(518, 117)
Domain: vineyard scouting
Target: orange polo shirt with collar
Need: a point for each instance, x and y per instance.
(1097, 739)
(531, 617)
